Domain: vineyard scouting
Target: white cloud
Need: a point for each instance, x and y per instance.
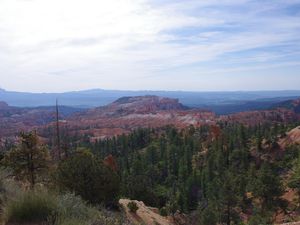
(57, 45)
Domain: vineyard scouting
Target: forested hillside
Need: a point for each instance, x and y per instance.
(240, 168)
(221, 174)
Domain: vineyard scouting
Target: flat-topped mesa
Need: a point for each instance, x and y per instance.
(145, 104)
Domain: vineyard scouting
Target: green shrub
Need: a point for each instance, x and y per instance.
(163, 211)
(6, 186)
(208, 216)
(40, 206)
(87, 176)
(259, 219)
(30, 206)
(73, 207)
(132, 206)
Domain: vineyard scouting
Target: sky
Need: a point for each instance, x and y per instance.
(195, 45)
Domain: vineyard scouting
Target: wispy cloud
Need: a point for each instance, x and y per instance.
(57, 45)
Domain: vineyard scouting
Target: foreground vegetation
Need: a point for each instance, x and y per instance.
(40, 206)
(37, 189)
(225, 174)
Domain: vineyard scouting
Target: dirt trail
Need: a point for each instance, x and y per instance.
(144, 215)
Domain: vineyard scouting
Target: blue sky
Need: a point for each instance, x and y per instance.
(199, 45)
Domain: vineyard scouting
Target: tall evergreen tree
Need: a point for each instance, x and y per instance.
(28, 159)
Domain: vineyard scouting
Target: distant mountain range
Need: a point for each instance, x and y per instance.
(219, 102)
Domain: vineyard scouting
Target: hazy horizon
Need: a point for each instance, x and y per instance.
(151, 90)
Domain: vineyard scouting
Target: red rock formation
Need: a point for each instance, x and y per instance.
(129, 113)
(292, 138)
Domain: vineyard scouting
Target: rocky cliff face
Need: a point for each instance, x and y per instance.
(292, 138)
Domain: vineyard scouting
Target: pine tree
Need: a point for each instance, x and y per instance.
(28, 159)
(294, 180)
(268, 189)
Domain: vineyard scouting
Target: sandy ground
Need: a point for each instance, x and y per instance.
(144, 214)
